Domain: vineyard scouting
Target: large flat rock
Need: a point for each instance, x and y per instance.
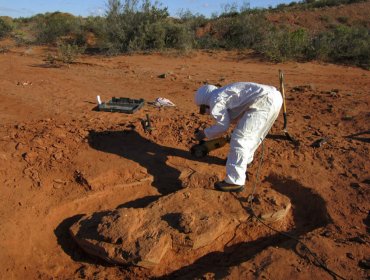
(189, 219)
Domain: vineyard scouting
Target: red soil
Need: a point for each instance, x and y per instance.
(61, 159)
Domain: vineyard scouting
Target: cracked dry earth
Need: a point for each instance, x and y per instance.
(91, 195)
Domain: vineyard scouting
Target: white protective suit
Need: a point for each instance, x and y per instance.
(255, 107)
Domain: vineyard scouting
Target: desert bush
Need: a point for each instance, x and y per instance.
(135, 25)
(5, 28)
(98, 27)
(329, 3)
(324, 18)
(192, 21)
(342, 19)
(50, 59)
(345, 45)
(282, 44)
(320, 46)
(50, 27)
(245, 31)
(208, 42)
(179, 36)
(68, 53)
(148, 37)
(4, 49)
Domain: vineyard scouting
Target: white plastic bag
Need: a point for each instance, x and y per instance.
(164, 102)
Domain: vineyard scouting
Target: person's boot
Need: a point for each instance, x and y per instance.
(226, 187)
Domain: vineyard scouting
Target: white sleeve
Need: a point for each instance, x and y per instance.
(221, 115)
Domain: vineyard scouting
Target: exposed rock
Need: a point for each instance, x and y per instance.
(189, 219)
(143, 236)
(58, 155)
(30, 157)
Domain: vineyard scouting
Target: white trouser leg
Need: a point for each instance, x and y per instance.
(250, 131)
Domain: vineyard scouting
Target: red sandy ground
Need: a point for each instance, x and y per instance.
(61, 159)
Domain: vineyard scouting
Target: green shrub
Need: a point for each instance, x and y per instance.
(147, 37)
(343, 19)
(191, 23)
(246, 31)
(68, 53)
(320, 46)
(178, 36)
(50, 27)
(282, 44)
(330, 3)
(349, 43)
(344, 44)
(134, 27)
(5, 28)
(98, 27)
(324, 18)
(208, 42)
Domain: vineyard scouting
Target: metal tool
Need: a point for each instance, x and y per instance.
(282, 90)
(204, 147)
(147, 124)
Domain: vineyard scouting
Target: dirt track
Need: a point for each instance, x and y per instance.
(61, 159)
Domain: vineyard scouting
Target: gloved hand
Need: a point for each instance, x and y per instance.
(199, 135)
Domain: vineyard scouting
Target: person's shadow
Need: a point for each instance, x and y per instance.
(131, 145)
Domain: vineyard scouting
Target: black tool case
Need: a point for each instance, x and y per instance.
(122, 105)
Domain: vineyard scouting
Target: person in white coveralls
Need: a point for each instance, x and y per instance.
(254, 108)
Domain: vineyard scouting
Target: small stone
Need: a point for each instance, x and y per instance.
(355, 186)
(327, 233)
(57, 186)
(58, 155)
(30, 157)
(59, 181)
(19, 146)
(350, 256)
(55, 145)
(357, 239)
